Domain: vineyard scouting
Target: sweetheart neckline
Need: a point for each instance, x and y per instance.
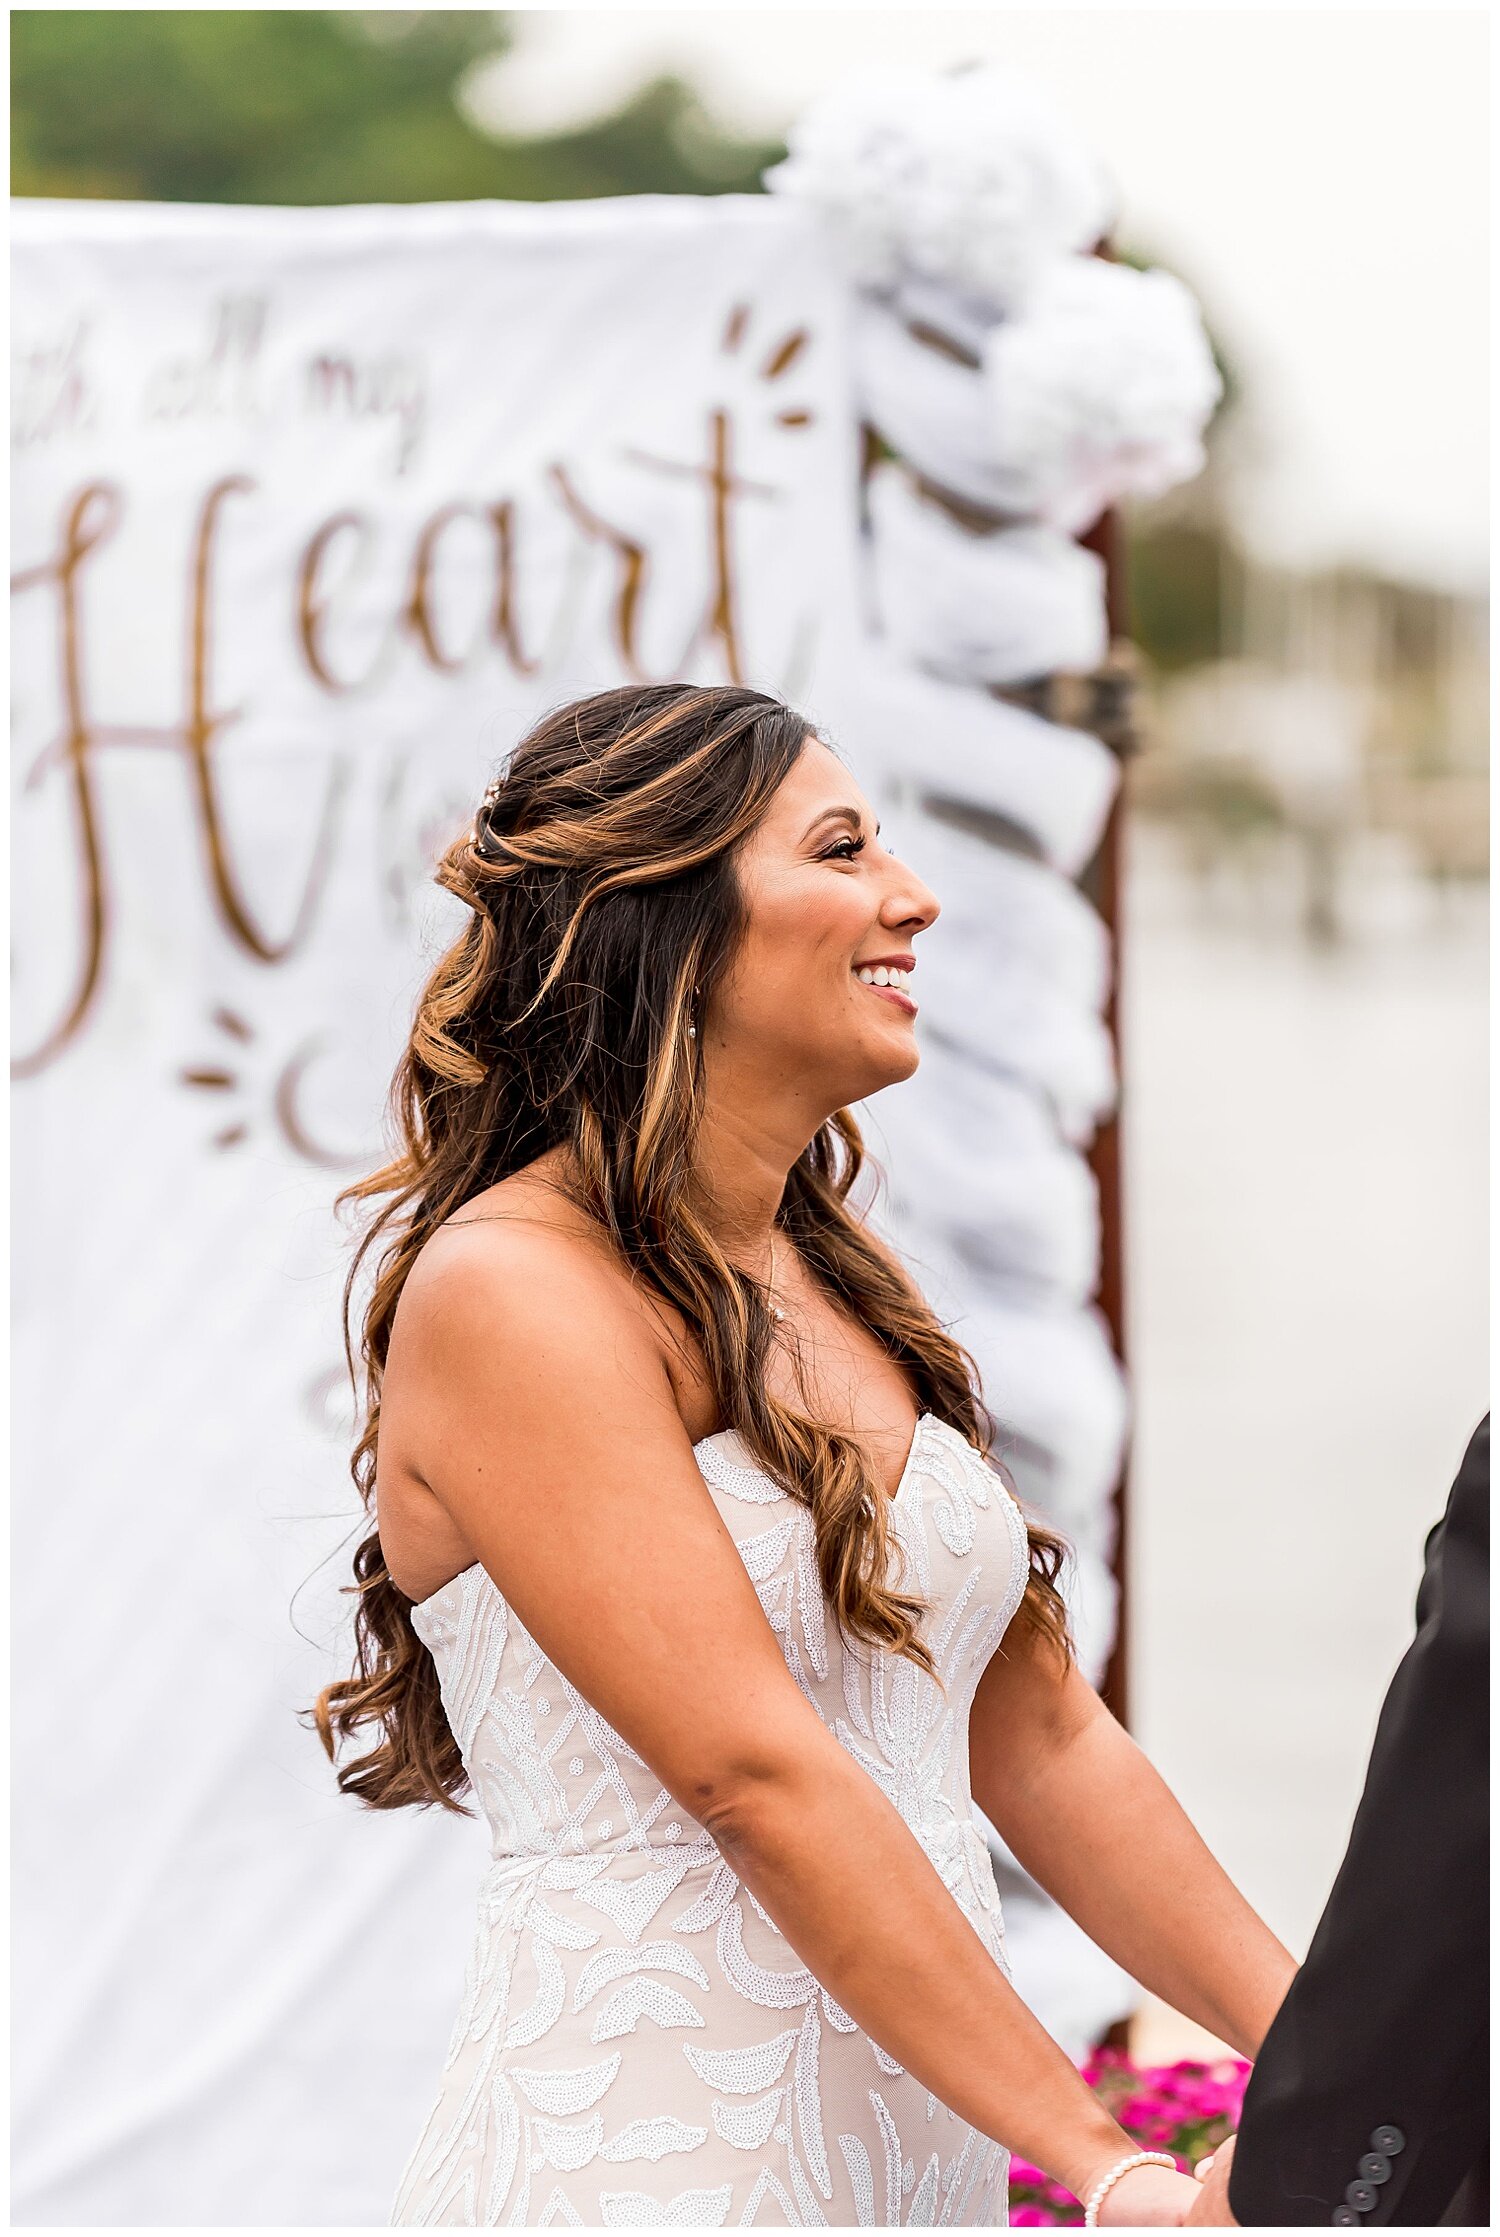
(417, 1607)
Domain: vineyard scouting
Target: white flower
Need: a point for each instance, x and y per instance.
(1101, 389)
(968, 182)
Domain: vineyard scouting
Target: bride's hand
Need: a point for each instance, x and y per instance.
(1149, 2198)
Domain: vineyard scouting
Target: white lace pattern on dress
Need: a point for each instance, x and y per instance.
(637, 2045)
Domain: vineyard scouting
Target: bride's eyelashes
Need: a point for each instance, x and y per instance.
(856, 846)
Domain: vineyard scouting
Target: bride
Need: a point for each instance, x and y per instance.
(690, 1563)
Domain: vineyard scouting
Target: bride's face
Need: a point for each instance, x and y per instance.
(825, 901)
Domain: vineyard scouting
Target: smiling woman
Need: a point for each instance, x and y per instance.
(667, 916)
(689, 1560)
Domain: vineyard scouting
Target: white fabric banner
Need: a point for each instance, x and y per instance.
(314, 512)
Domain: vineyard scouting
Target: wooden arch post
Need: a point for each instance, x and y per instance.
(1115, 722)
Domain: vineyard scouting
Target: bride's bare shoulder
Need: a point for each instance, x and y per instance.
(524, 1239)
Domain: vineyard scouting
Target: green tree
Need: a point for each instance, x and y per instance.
(286, 105)
(1185, 579)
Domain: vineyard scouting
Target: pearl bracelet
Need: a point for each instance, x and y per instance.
(1102, 2189)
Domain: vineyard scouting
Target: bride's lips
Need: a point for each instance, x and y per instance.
(891, 994)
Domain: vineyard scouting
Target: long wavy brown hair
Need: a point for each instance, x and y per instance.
(600, 877)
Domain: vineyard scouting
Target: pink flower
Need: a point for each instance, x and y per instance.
(1185, 2109)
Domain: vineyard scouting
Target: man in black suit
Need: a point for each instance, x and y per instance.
(1369, 2102)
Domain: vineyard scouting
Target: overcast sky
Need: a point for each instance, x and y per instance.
(1319, 176)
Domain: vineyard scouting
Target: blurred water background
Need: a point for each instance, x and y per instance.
(1306, 1210)
(1305, 925)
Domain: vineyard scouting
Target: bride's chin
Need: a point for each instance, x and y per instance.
(897, 1065)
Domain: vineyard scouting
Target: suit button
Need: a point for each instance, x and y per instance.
(1344, 2217)
(1362, 2196)
(1388, 2140)
(1375, 2167)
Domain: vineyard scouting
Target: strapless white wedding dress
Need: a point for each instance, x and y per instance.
(638, 2046)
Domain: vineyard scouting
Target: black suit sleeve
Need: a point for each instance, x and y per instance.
(1385, 2027)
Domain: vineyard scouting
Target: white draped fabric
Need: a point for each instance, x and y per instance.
(993, 606)
(1018, 974)
(928, 405)
(1054, 783)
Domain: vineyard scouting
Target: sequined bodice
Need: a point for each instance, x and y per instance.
(554, 1779)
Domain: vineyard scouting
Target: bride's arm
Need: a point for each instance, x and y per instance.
(548, 1429)
(1087, 1815)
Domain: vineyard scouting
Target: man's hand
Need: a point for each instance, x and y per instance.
(1211, 2209)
